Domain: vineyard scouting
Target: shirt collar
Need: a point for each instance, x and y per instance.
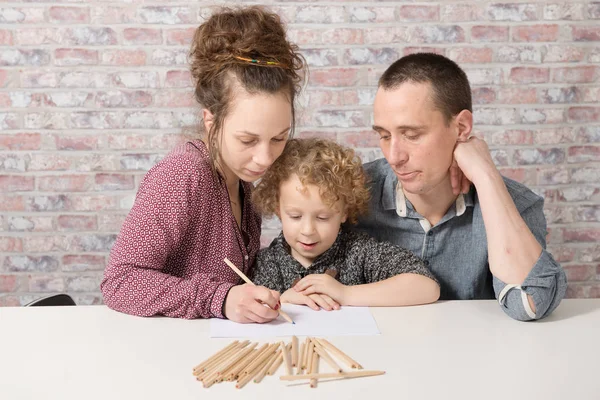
(393, 197)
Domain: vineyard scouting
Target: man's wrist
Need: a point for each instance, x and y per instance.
(485, 176)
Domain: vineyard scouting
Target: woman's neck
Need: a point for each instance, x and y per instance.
(232, 181)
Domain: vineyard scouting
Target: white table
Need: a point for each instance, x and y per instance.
(449, 350)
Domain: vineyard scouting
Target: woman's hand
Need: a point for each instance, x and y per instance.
(246, 304)
(314, 301)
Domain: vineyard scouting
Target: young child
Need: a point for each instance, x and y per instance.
(194, 207)
(314, 187)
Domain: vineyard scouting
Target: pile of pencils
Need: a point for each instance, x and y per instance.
(243, 362)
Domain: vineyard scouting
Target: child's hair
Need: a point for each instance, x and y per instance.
(242, 48)
(336, 170)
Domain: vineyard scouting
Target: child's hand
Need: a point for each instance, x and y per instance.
(322, 284)
(314, 301)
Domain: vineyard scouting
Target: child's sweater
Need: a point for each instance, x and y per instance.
(357, 258)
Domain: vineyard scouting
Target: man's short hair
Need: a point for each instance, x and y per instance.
(450, 86)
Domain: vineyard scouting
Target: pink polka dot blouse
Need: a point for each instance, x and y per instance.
(168, 257)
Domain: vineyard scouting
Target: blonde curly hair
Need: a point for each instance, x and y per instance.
(336, 170)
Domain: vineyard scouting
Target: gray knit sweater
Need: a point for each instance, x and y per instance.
(356, 257)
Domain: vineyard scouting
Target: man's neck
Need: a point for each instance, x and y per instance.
(434, 204)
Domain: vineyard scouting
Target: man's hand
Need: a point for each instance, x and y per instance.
(246, 304)
(474, 160)
(460, 183)
(322, 284)
(314, 301)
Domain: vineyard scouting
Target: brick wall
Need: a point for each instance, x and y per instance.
(93, 93)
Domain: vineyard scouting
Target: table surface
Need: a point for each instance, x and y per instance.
(448, 350)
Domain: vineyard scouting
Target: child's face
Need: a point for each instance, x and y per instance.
(309, 226)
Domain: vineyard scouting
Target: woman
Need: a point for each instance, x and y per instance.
(194, 208)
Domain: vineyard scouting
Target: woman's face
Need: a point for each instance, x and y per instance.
(253, 135)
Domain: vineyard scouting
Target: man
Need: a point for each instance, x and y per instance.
(482, 241)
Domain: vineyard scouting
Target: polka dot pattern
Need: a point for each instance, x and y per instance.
(168, 257)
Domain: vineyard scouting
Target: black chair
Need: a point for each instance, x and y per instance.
(53, 300)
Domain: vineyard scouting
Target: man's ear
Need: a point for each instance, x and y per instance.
(208, 119)
(464, 124)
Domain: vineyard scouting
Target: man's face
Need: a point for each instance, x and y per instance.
(414, 136)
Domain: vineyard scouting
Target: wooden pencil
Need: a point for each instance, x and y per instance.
(294, 351)
(267, 366)
(345, 375)
(300, 356)
(255, 369)
(340, 354)
(249, 282)
(209, 380)
(224, 349)
(244, 379)
(306, 343)
(212, 375)
(309, 356)
(314, 369)
(235, 360)
(276, 364)
(217, 361)
(325, 356)
(236, 371)
(286, 358)
(231, 373)
(258, 353)
(210, 371)
(261, 359)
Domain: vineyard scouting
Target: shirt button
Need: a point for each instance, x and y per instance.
(246, 257)
(429, 233)
(426, 262)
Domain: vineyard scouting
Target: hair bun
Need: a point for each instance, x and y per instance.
(251, 33)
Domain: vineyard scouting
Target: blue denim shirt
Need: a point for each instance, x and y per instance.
(456, 247)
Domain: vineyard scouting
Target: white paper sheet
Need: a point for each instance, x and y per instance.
(346, 321)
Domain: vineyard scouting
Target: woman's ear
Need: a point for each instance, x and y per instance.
(208, 119)
(464, 124)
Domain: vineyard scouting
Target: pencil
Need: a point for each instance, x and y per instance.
(344, 375)
(235, 360)
(325, 356)
(294, 351)
(338, 353)
(267, 366)
(314, 369)
(304, 361)
(261, 351)
(309, 357)
(259, 361)
(276, 364)
(286, 358)
(249, 282)
(215, 356)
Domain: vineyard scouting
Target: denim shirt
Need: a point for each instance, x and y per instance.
(455, 249)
